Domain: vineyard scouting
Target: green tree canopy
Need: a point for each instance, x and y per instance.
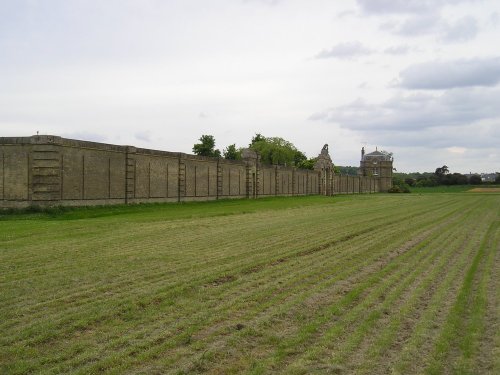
(441, 171)
(307, 163)
(348, 170)
(231, 152)
(276, 150)
(475, 179)
(206, 147)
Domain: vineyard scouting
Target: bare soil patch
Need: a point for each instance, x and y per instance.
(485, 190)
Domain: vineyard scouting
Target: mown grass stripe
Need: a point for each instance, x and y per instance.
(432, 283)
(362, 316)
(457, 333)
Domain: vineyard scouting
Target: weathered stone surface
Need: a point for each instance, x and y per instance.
(50, 170)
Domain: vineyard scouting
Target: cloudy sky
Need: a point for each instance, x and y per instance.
(419, 78)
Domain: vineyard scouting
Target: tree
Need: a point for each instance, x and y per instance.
(456, 179)
(299, 158)
(441, 171)
(206, 147)
(307, 164)
(398, 185)
(276, 150)
(257, 138)
(475, 179)
(440, 175)
(348, 170)
(410, 181)
(231, 152)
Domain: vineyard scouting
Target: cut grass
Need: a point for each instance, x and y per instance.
(351, 284)
(455, 189)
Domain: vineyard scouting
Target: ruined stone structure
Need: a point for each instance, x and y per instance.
(377, 164)
(49, 170)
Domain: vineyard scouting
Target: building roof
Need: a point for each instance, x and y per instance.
(377, 155)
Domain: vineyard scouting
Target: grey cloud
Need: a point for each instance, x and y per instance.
(395, 6)
(452, 74)
(267, 2)
(143, 136)
(417, 111)
(404, 6)
(86, 136)
(494, 18)
(346, 13)
(462, 30)
(397, 50)
(347, 50)
(418, 25)
(469, 136)
(423, 18)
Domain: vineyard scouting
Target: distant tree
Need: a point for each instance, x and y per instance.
(441, 171)
(399, 186)
(440, 175)
(231, 152)
(410, 181)
(427, 182)
(206, 147)
(348, 170)
(497, 178)
(475, 179)
(456, 179)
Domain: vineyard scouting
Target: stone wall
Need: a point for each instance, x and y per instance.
(50, 170)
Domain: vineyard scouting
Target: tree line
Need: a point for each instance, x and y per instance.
(272, 150)
(441, 176)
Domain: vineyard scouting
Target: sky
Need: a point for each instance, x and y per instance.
(418, 78)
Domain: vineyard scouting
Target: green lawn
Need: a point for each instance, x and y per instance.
(369, 284)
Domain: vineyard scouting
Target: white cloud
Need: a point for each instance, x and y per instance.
(456, 150)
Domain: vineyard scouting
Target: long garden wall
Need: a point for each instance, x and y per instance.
(50, 170)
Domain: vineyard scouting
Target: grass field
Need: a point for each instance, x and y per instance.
(456, 189)
(371, 284)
